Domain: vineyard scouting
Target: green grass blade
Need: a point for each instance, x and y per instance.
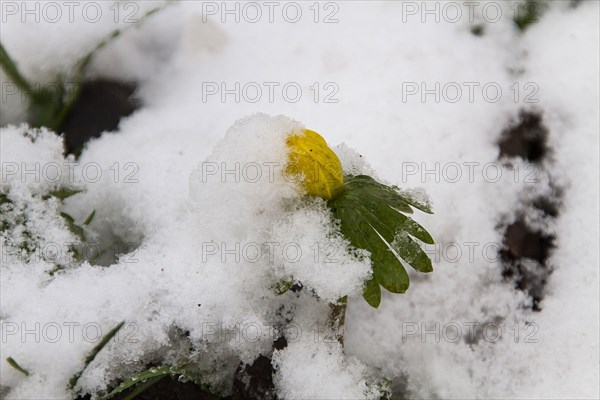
(62, 194)
(90, 217)
(92, 355)
(73, 227)
(12, 71)
(142, 387)
(149, 377)
(11, 361)
(84, 63)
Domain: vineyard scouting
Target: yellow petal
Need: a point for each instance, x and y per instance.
(315, 164)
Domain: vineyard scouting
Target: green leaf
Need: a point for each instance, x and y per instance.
(9, 66)
(372, 293)
(90, 217)
(372, 218)
(413, 199)
(11, 361)
(57, 268)
(4, 199)
(528, 13)
(73, 227)
(282, 286)
(143, 380)
(366, 187)
(90, 357)
(414, 229)
(62, 194)
(390, 272)
(412, 253)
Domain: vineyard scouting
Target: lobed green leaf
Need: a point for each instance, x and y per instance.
(372, 217)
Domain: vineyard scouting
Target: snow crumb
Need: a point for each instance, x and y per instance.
(352, 162)
(324, 365)
(418, 196)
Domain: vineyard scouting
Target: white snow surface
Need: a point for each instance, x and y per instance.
(166, 216)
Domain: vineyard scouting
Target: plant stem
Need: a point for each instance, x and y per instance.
(12, 71)
(338, 318)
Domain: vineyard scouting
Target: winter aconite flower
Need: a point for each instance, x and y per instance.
(373, 216)
(318, 167)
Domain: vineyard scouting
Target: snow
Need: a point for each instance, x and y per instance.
(162, 197)
(327, 361)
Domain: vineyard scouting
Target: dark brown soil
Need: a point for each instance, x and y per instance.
(99, 108)
(526, 249)
(525, 259)
(526, 139)
(171, 389)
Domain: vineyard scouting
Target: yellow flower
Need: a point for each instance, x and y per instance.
(316, 165)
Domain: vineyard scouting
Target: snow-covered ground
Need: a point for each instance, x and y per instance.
(410, 87)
